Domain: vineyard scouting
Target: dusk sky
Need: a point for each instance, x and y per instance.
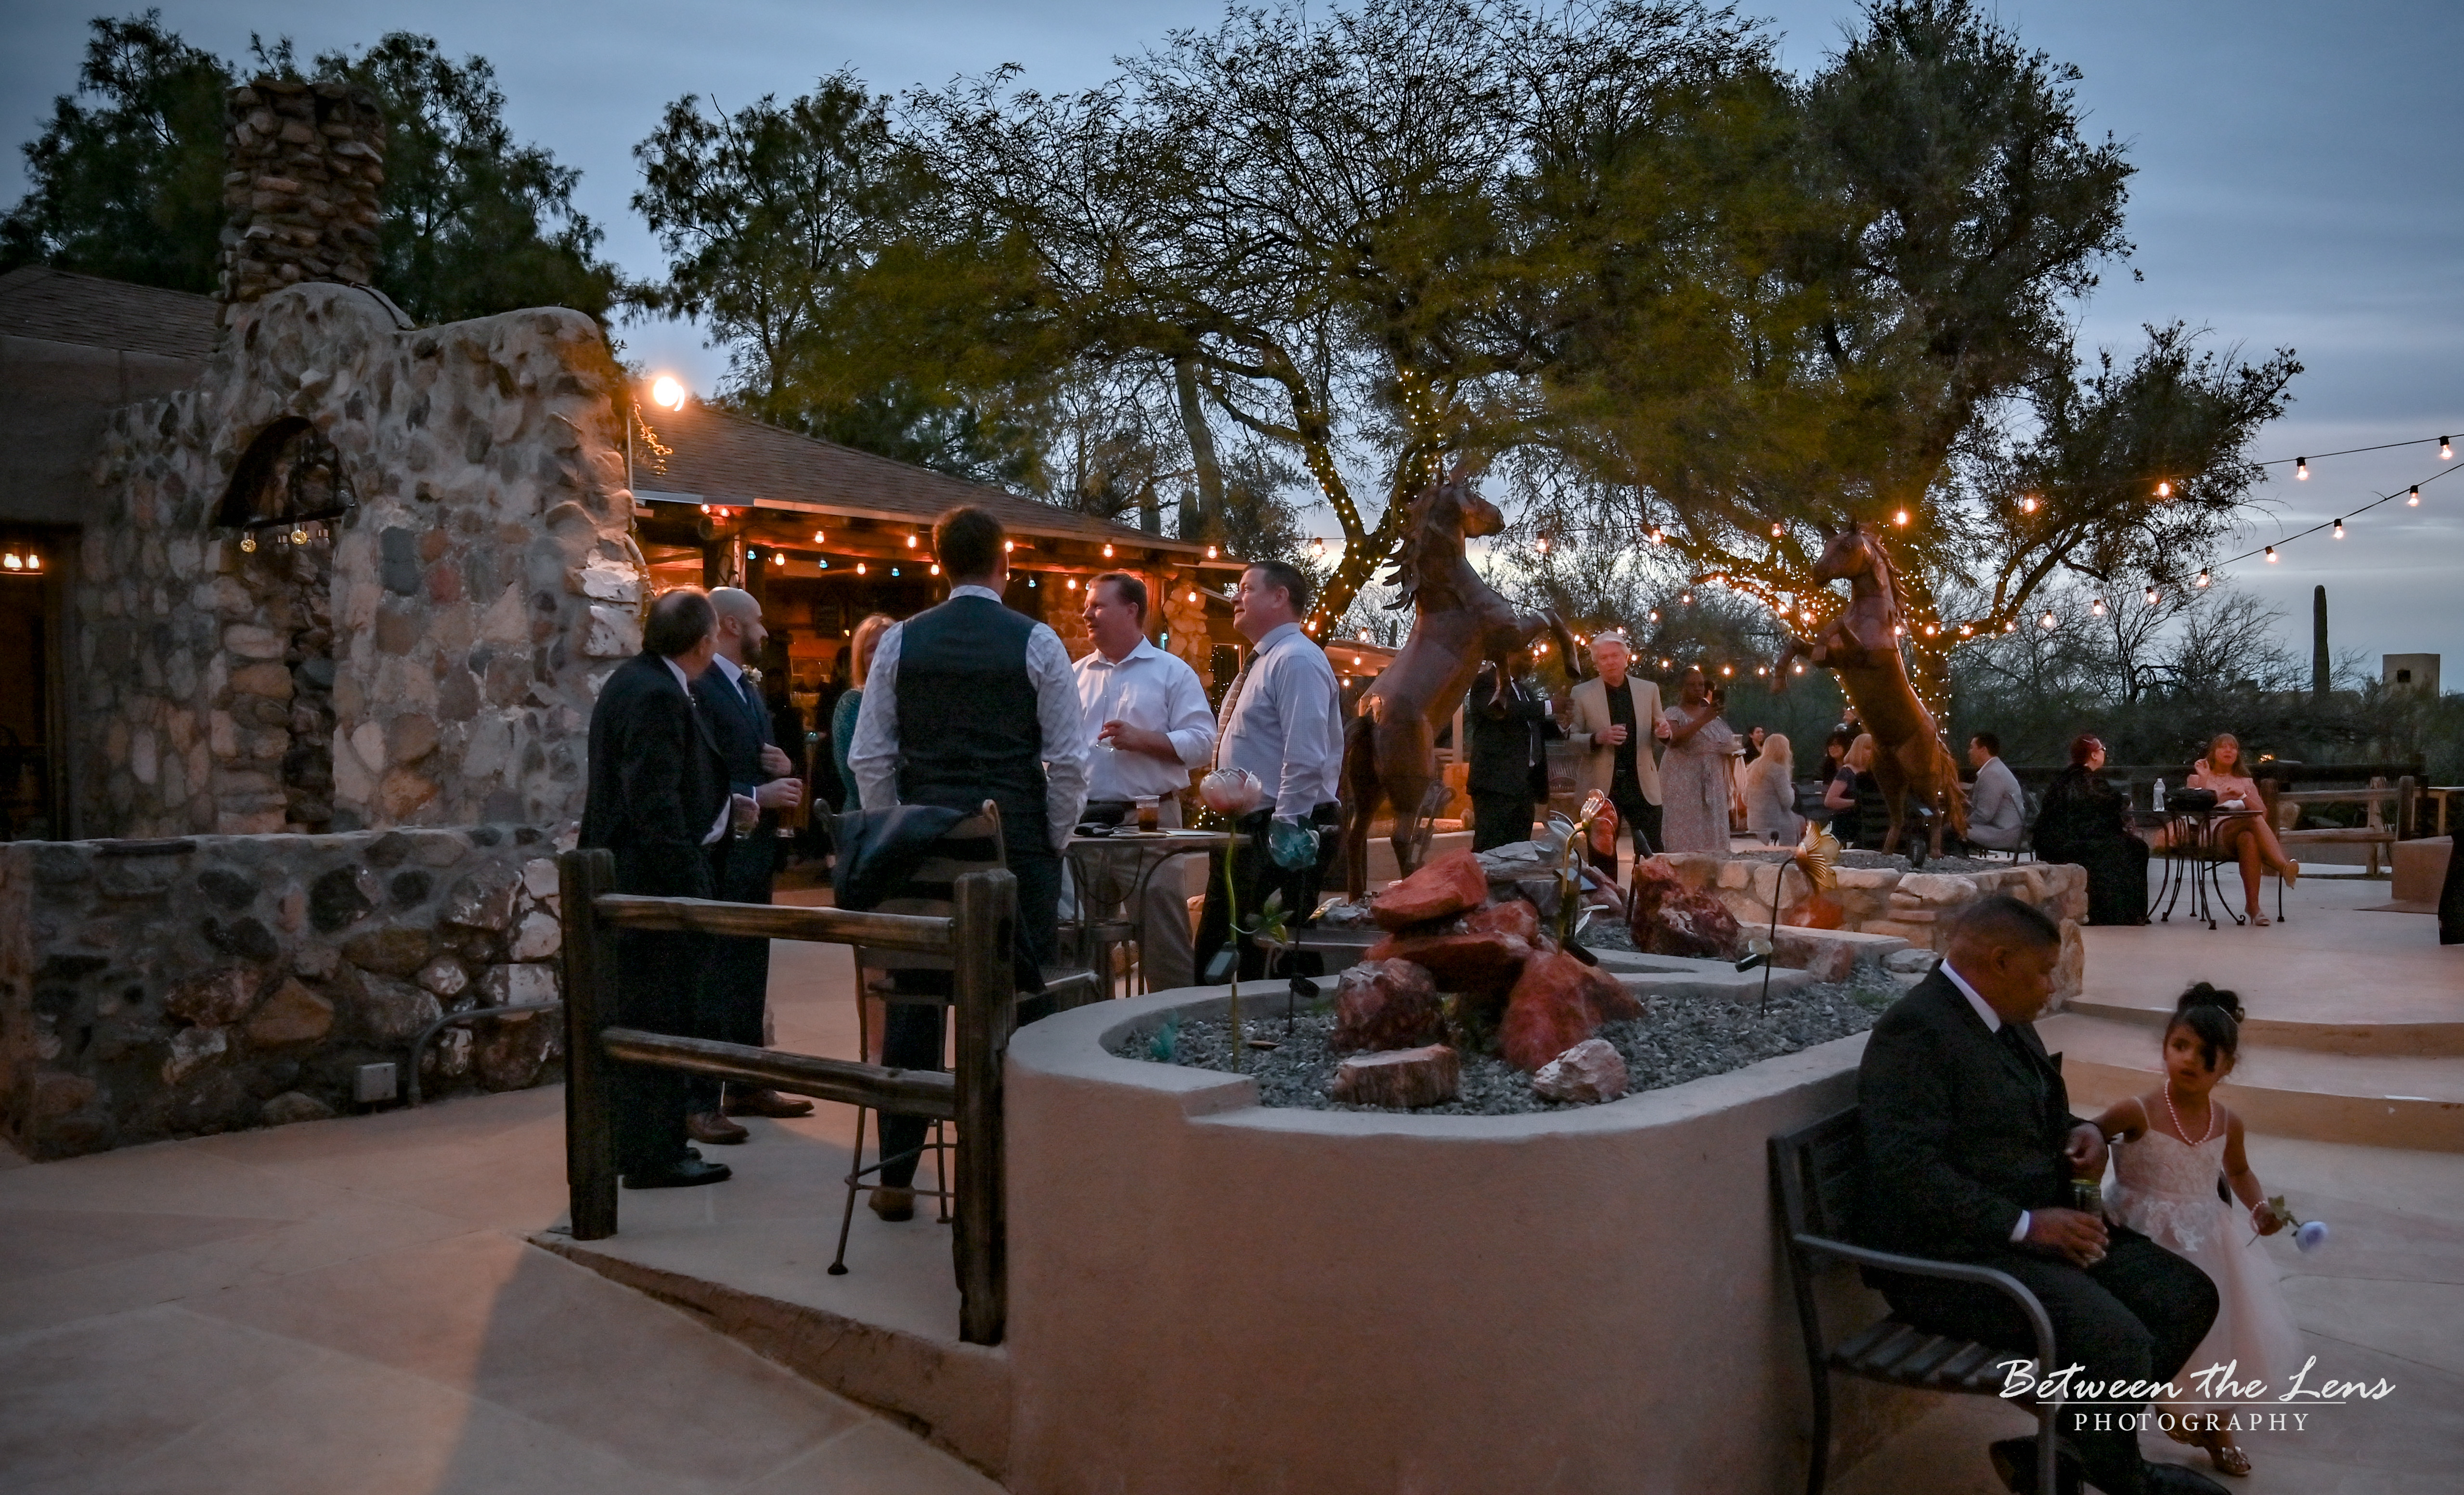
(2298, 186)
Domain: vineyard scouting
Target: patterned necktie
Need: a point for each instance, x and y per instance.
(752, 698)
(1231, 699)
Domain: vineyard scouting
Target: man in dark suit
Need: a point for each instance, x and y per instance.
(658, 799)
(1509, 768)
(1969, 1153)
(735, 985)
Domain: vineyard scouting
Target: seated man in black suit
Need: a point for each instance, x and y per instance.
(1969, 1153)
(658, 800)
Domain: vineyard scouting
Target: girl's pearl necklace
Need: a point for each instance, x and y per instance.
(2182, 1131)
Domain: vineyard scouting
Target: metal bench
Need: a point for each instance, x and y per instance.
(1818, 1170)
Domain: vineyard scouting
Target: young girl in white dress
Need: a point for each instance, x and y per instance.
(2173, 1143)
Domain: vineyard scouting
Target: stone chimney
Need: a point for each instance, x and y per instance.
(305, 163)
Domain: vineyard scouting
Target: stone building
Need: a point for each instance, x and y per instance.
(314, 607)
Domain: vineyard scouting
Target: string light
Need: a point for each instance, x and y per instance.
(859, 568)
(1193, 595)
(2096, 607)
(1541, 545)
(2301, 470)
(1108, 552)
(1778, 529)
(911, 543)
(2150, 596)
(2271, 555)
(1656, 537)
(2445, 452)
(1687, 599)
(2027, 503)
(2012, 625)
(2413, 499)
(1317, 546)
(2164, 489)
(1653, 616)
(2203, 577)
(1008, 545)
(819, 539)
(1901, 517)
(937, 568)
(1210, 552)
(1726, 670)
(1798, 669)
(777, 558)
(2339, 529)
(2049, 621)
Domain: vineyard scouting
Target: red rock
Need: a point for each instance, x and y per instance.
(1441, 889)
(1402, 1077)
(1385, 1004)
(1828, 959)
(1513, 916)
(1484, 965)
(1551, 1011)
(1668, 918)
(1591, 1072)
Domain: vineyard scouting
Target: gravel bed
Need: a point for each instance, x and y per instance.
(1677, 1039)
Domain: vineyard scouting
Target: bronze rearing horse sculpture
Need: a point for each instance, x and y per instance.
(1862, 646)
(1390, 748)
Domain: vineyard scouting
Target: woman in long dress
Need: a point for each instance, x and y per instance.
(1770, 793)
(1694, 787)
(2085, 821)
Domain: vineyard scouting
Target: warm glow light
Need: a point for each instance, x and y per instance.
(937, 568)
(2339, 529)
(2446, 451)
(1777, 530)
(1108, 552)
(2027, 503)
(2150, 596)
(2164, 490)
(1687, 599)
(2203, 577)
(1193, 596)
(2271, 555)
(1656, 537)
(2302, 469)
(1798, 669)
(819, 539)
(777, 558)
(2096, 608)
(1541, 545)
(1932, 628)
(1210, 552)
(1805, 617)
(911, 543)
(1653, 615)
(667, 392)
(2049, 621)
(1901, 517)
(1762, 670)
(2011, 626)
(1726, 670)
(859, 568)
(12, 562)
(1317, 546)
(1008, 545)
(2413, 499)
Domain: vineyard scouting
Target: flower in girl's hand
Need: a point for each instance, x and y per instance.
(2311, 1235)
(2273, 1216)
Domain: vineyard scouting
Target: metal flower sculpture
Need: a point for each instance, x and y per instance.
(1234, 793)
(1818, 858)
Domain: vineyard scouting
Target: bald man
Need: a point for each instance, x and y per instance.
(736, 986)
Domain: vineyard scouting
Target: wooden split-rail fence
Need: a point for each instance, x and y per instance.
(975, 938)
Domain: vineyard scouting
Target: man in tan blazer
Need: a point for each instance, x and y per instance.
(1617, 719)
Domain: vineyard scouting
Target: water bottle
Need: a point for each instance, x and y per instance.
(2160, 794)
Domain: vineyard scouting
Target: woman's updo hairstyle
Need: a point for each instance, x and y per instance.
(2214, 1018)
(2083, 747)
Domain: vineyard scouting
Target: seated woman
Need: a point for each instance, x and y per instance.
(1853, 774)
(2086, 822)
(2246, 839)
(1770, 793)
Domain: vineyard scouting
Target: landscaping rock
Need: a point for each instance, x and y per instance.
(1829, 959)
(1386, 1005)
(1480, 965)
(1550, 1012)
(1667, 918)
(1910, 962)
(292, 1105)
(1403, 1078)
(1441, 889)
(1515, 917)
(1591, 1072)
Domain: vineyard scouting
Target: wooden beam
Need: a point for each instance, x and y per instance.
(929, 1093)
(906, 932)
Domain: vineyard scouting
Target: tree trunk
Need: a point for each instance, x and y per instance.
(1201, 451)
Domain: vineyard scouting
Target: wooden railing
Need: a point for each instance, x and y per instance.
(975, 938)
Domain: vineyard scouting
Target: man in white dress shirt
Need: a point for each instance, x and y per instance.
(967, 702)
(1283, 721)
(1146, 717)
(1997, 812)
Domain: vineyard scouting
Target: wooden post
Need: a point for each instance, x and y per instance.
(2408, 808)
(986, 923)
(589, 1003)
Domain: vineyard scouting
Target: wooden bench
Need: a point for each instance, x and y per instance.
(1818, 1170)
(2375, 832)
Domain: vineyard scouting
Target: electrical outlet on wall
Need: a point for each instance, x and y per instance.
(376, 1083)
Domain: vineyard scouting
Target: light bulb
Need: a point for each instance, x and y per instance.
(1800, 668)
(1541, 545)
(2339, 529)
(1726, 670)
(2413, 499)
(2271, 555)
(1762, 670)
(2301, 470)
(667, 392)
(894, 570)
(34, 561)
(1664, 664)
(2049, 621)
(2445, 452)
(1778, 530)
(1901, 517)
(1108, 552)
(911, 543)
(2096, 607)
(1210, 552)
(1687, 599)
(824, 562)
(1656, 537)
(2011, 626)
(777, 558)
(1317, 546)
(1931, 630)
(2203, 577)
(2150, 596)
(1030, 584)
(937, 568)
(2027, 503)
(1966, 629)
(859, 568)
(1008, 546)
(819, 539)
(1071, 583)
(1653, 615)
(12, 562)
(1805, 617)
(2164, 490)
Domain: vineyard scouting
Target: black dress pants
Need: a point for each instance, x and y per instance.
(735, 985)
(1260, 878)
(2136, 1315)
(1500, 820)
(657, 977)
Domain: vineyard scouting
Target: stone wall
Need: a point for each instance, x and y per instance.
(431, 656)
(1917, 907)
(170, 988)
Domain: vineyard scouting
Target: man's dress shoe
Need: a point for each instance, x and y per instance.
(683, 1173)
(893, 1205)
(710, 1126)
(741, 1102)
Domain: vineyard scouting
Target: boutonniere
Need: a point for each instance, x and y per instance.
(754, 675)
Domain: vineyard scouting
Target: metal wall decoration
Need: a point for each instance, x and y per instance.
(289, 482)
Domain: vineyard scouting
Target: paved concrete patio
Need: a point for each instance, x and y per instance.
(349, 1304)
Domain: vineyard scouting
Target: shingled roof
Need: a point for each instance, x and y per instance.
(718, 457)
(61, 306)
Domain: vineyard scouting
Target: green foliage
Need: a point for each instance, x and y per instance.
(131, 184)
(127, 174)
(476, 223)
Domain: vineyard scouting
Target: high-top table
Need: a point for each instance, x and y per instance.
(2205, 871)
(1103, 923)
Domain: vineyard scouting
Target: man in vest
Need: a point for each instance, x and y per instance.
(968, 702)
(735, 985)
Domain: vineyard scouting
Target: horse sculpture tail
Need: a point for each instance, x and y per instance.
(1361, 791)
